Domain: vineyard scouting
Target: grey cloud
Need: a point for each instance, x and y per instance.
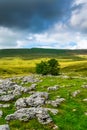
(34, 15)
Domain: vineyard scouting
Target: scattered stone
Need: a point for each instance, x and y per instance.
(32, 87)
(1, 113)
(1, 80)
(65, 76)
(84, 86)
(74, 94)
(25, 114)
(55, 127)
(56, 102)
(35, 100)
(4, 127)
(74, 110)
(2, 92)
(7, 98)
(54, 88)
(54, 111)
(85, 113)
(4, 105)
(21, 103)
(30, 79)
(85, 100)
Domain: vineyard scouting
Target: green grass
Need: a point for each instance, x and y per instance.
(66, 119)
(20, 62)
(23, 61)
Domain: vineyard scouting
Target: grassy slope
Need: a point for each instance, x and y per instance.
(23, 61)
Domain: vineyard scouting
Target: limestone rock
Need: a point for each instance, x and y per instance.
(4, 105)
(1, 113)
(35, 100)
(26, 114)
(30, 79)
(55, 127)
(54, 88)
(85, 113)
(74, 94)
(4, 127)
(54, 111)
(85, 100)
(7, 98)
(84, 86)
(56, 102)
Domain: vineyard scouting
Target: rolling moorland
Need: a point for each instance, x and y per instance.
(61, 100)
(23, 61)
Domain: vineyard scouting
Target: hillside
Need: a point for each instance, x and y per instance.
(39, 52)
(23, 61)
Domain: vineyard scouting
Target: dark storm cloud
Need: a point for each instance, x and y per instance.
(34, 15)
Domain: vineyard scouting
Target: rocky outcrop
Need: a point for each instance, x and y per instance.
(85, 100)
(35, 100)
(26, 114)
(56, 102)
(4, 105)
(1, 113)
(7, 98)
(4, 127)
(74, 94)
(84, 86)
(29, 79)
(54, 88)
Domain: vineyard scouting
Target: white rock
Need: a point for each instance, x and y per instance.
(54, 88)
(4, 105)
(55, 127)
(85, 100)
(1, 113)
(74, 94)
(25, 114)
(4, 127)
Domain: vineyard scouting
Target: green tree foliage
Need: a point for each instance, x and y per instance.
(48, 67)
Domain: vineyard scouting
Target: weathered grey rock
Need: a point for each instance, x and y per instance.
(4, 105)
(28, 89)
(85, 113)
(7, 98)
(25, 114)
(2, 92)
(17, 90)
(54, 88)
(74, 110)
(35, 100)
(54, 111)
(30, 79)
(32, 87)
(55, 127)
(43, 116)
(56, 102)
(1, 113)
(74, 94)
(85, 100)
(21, 103)
(1, 80)
(84, 86)
(4, 127)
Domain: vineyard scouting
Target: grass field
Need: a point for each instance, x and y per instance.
(71, 115)
(23, 61)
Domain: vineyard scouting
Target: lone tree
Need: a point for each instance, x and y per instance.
(48, 67)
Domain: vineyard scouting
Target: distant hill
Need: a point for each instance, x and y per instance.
(23, 61)
(39, 52)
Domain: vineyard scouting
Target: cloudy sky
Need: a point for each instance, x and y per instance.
(43, 23)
